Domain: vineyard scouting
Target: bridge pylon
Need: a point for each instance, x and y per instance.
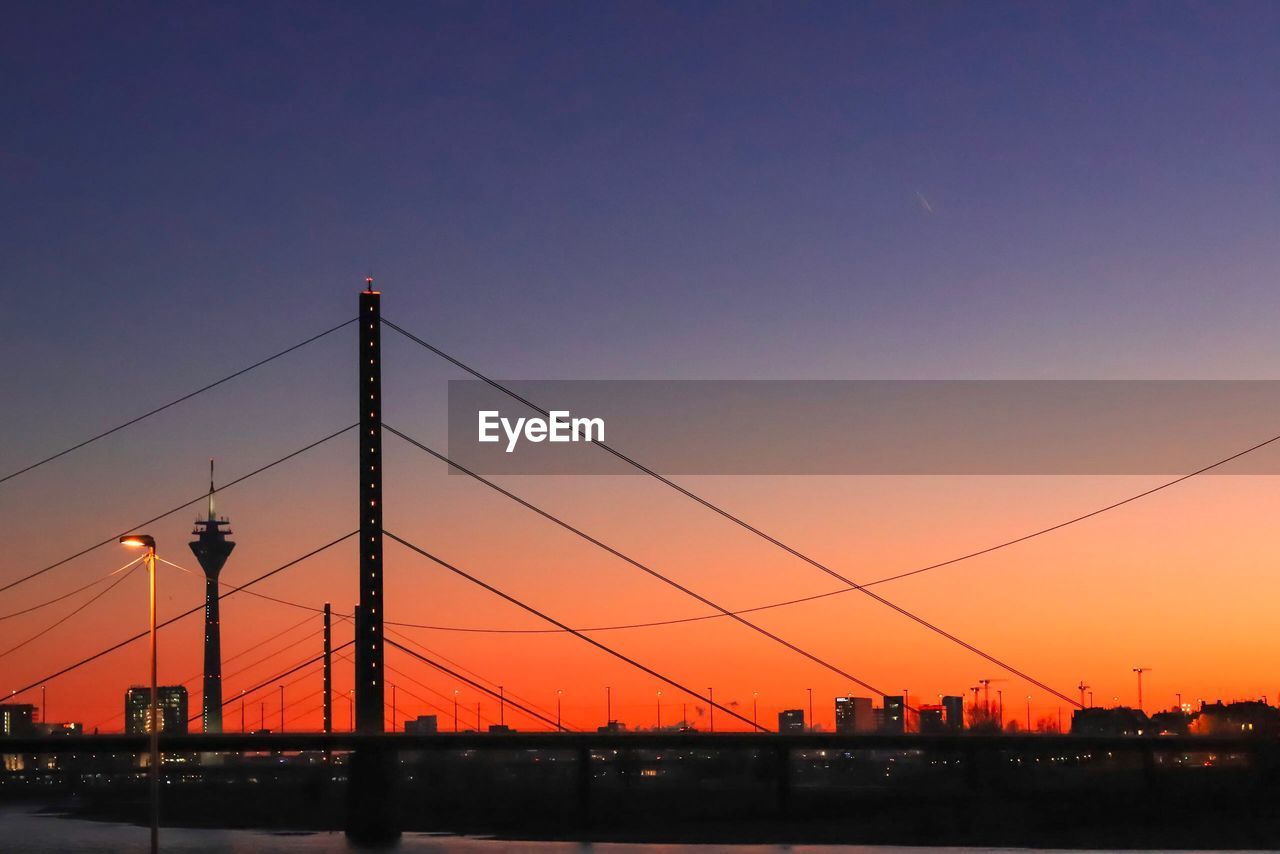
(371, 811)
(370, 716)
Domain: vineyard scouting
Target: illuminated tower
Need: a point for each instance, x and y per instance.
(212, 548)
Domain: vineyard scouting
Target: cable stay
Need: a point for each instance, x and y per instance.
(170, 621)
(849, 583)
(597, 644)
(496, 695)
(131, 566)
(174, 402)
(202, 497)
(638, 565)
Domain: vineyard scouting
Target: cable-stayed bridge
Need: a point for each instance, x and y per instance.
(372, 635)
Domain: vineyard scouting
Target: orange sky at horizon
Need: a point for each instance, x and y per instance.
(1174, 582)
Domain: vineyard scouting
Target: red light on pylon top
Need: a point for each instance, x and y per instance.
(368, 285)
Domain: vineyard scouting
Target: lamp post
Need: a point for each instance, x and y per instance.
(148, 542)
(559, 694)
(711, 694)
(1028, 713)
(810, 690)
(455, 711)
(658, 728)
(755, 707)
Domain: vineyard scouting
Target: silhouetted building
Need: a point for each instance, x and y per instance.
(423, 725)
(612, 726)
(954, 715)
(1120, 720)
(172, 700)
(1174, 722)
(895, 715)
(211, 548)
(932, 718)
(60, 729)
(791, 720)
(500, 729)
(1252, 717)
(17, 719)
(854, 715)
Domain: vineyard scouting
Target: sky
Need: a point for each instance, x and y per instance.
(633, 191)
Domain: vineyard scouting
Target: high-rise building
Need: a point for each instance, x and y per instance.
(895, 709)
(422, 725)
(791, 720)
(172, 700)
(954, 712)
(17, 719)
(932, 718)
(211, 548)
(854, 715)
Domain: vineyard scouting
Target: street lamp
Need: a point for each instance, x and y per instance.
(455, 710)
(755, 707)
(658, 728)
(559, 694)
(148, 542)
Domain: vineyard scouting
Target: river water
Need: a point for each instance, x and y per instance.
(26, 831)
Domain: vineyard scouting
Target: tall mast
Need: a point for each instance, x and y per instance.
(212, 548)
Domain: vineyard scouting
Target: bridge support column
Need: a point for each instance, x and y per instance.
(585, 773)
(782, 770)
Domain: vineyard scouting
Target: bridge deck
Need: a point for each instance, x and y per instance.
(296, 741)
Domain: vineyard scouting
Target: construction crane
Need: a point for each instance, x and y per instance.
(986, 693)
(1082, 688)
(1140, 671)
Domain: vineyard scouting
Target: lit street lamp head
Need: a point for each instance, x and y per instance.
(144, 541)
